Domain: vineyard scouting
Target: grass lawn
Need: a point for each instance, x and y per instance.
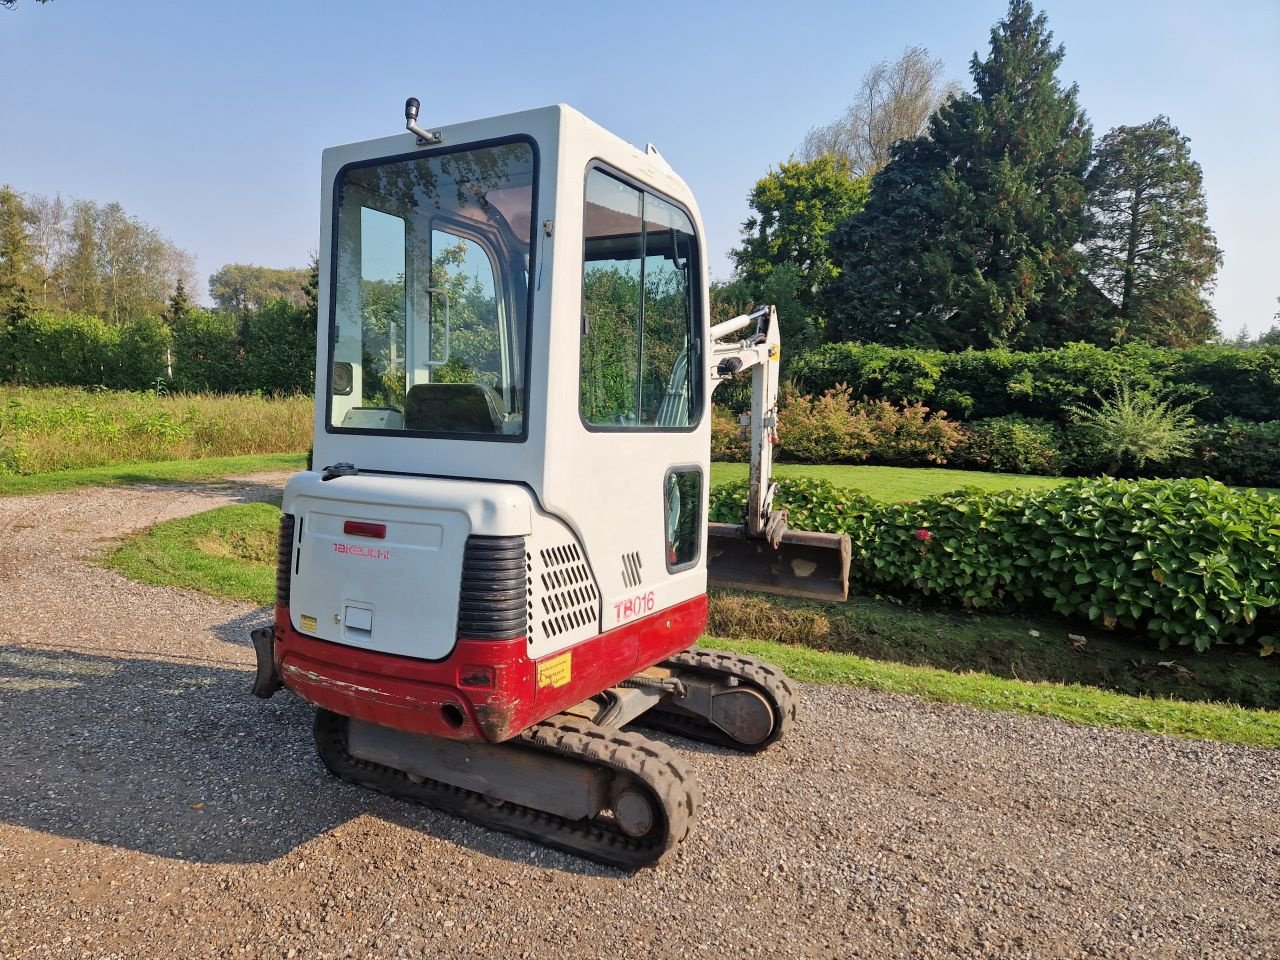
(163, 471)
(892, 483)
(986, 661)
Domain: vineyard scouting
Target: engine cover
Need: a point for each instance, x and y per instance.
(377, 559)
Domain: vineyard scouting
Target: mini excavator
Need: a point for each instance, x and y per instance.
(501, 571)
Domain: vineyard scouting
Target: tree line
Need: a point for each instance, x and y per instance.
(937, 217)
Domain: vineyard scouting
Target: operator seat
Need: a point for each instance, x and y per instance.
(453, 408)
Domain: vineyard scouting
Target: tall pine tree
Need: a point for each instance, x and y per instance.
(996, 210)
(1151, 250)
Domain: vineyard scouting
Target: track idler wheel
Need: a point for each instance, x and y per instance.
(731, 700)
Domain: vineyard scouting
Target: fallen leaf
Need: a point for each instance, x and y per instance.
(197, 806)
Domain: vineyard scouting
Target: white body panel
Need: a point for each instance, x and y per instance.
(600, 489)
(397, 594)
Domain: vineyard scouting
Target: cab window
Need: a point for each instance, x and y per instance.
(640, 310)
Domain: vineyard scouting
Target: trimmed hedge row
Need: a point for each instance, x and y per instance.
(273, 351)
(1191, 562)
(1223, 382)
(835, 428)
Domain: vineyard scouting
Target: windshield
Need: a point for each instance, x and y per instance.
(431, 293)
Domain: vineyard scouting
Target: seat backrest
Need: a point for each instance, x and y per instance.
(453, 408)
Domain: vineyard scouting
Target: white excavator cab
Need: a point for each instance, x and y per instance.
(501, 557)
(523, 302)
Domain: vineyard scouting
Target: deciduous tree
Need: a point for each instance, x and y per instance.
(1150, 247)
(784, 257)
(244, 288)
(894, 103)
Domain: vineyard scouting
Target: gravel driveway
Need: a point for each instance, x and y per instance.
(149, 807)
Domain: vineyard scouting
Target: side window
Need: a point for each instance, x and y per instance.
(640, 319)
(682, 492)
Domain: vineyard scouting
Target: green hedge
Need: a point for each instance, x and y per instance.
(82, 351)
(1191, 562)
(272, 351)
(1223, 382)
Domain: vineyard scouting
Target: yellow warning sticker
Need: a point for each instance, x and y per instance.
(557, 671)
(307, 622)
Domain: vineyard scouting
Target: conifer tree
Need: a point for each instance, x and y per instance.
(16, 253)
(179, 304)
(1151, 250)
(995, 196)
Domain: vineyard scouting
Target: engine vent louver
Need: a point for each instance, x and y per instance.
(631, 569)
(568, 595)
(494, 599)
(284, 559)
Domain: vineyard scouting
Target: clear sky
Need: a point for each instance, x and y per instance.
(206, 120)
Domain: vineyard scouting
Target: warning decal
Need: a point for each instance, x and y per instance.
(307, 623)
(557, 671)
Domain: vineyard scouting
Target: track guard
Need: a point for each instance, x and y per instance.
(804, 563)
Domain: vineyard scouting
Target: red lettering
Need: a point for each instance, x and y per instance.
(633, 606)
(369, 553)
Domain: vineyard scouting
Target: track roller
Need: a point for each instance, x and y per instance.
(730, 700)
(608, 795)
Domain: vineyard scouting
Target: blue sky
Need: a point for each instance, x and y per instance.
(207, 120)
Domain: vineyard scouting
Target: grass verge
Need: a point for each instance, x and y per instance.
(1225, 723)
(162, 471)
(230, 552)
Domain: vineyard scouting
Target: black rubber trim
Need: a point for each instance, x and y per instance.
(493, 603)
(284, 559)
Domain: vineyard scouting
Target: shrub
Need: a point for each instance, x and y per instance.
(909, 436)
(45, 349)
(1237, 452)
(729, 441)
(1191, 562)
(1134, 427)
(824, 429)
(279, 350)
(205, 355)
(1012, 444)
(812, 504)
(834, 428)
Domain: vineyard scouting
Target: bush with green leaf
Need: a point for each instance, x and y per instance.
(730, 442)
(1012, 444)
(1191, 562)
(1135, 426)
(835, 428)
(1219, 381)
(1235, 451)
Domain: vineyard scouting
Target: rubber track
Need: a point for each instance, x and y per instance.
(762, 676)
(652, 766)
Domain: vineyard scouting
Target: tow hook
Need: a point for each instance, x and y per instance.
(267, 680)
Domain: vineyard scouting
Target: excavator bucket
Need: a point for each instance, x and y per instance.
(803, 564)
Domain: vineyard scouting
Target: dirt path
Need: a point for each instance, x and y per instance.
(149, 807)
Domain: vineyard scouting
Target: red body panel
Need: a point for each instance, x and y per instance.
(430, 697)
